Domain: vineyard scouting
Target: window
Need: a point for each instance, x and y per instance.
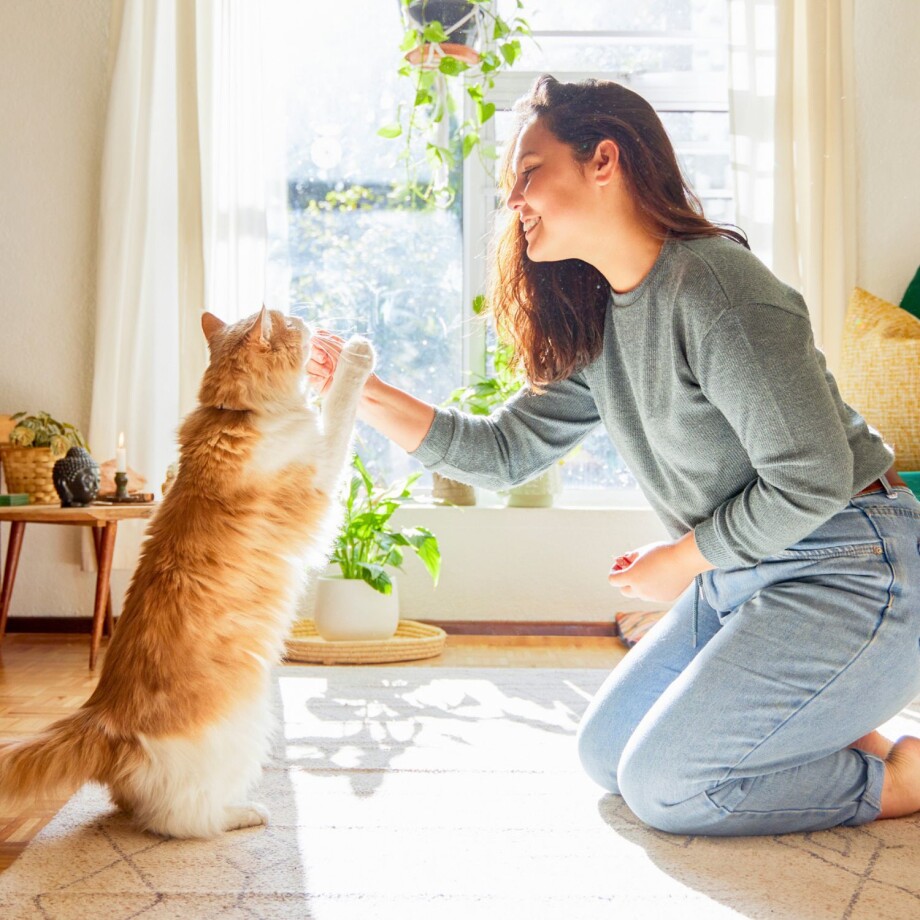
(360, 261)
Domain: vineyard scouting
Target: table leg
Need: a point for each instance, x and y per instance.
(109, 617)
(106, 551)
(17, 529)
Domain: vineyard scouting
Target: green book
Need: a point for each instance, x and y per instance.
(15, 498)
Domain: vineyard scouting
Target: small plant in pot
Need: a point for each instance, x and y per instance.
(36, 442)
(478, 398)
(361, 602)
(484, 396)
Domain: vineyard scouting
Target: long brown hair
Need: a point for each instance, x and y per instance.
(554, 312)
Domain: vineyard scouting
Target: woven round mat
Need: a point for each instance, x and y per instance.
(412, 640)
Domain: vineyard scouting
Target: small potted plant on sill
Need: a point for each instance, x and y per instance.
(478, 398)
(450, 44)
(36, 442)
(485, 395)
(361, 602)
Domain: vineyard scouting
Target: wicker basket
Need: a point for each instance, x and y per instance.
(28, 469)
(412, 641)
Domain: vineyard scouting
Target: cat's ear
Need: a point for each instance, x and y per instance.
(211, 325)
(260, 332)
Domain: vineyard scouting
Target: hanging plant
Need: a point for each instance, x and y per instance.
(450, 45)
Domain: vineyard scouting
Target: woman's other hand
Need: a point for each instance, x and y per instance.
(659, 572)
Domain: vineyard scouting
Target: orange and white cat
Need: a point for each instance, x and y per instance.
(179, 724)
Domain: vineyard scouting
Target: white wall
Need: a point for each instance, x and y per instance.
(53, 91)
(499, 564)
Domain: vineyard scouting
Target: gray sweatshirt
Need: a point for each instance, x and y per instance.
(711, 388)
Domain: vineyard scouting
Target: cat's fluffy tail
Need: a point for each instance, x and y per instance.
(55, 763)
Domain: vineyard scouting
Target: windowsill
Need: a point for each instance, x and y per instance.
(570, 500)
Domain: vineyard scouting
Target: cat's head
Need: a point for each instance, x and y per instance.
(258, 363)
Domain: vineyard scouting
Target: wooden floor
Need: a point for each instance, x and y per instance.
(44, 677)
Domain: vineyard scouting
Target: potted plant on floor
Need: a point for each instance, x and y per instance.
(36, 441)
(361, 602)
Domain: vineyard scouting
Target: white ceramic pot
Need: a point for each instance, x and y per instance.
(538, 492)
(348, 609)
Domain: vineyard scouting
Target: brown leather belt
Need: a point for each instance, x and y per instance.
(878, 484)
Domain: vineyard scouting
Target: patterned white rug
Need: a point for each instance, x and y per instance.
(440, 794)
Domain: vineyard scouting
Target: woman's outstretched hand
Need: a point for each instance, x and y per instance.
(325, 349)
(659, 572)
(393, 412)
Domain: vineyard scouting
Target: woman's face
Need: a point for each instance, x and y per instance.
(551, 195)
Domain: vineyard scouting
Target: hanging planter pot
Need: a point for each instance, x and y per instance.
(460, 21)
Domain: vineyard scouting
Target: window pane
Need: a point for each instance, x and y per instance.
(701, 140)
(704, 17)
(358, 261)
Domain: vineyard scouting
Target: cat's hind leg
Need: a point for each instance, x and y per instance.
(197, 786)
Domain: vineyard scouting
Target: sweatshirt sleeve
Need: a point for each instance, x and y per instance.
(759, 367)
(519, 440)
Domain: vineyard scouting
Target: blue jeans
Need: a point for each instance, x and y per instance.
(746, 731)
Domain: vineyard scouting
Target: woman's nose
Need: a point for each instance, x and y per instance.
(515, 199)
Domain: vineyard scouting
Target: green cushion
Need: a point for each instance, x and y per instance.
(913, 481)
(911, 299)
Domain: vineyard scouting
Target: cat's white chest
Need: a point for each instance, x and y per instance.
(285, 440)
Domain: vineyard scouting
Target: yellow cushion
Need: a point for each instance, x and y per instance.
(880, 372)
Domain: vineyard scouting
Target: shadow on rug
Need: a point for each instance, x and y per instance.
(440, 794)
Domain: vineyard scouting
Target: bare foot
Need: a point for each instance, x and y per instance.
(901, 786)
(873, 743)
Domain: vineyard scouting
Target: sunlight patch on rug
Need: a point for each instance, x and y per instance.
(434, 794)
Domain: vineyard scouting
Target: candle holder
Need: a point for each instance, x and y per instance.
(121, 487)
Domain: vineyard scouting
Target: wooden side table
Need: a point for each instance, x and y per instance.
(103, 518)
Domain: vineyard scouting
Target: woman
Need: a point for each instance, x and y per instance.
(794, 566)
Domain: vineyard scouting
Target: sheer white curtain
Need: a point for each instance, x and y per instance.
(795, 170)
(182, 217)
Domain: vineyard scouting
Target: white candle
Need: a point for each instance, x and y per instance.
(121, 455)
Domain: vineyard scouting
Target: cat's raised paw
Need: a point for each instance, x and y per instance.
(249, 815)
(360, 352)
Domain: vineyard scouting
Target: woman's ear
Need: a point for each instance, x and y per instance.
(606, 161)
